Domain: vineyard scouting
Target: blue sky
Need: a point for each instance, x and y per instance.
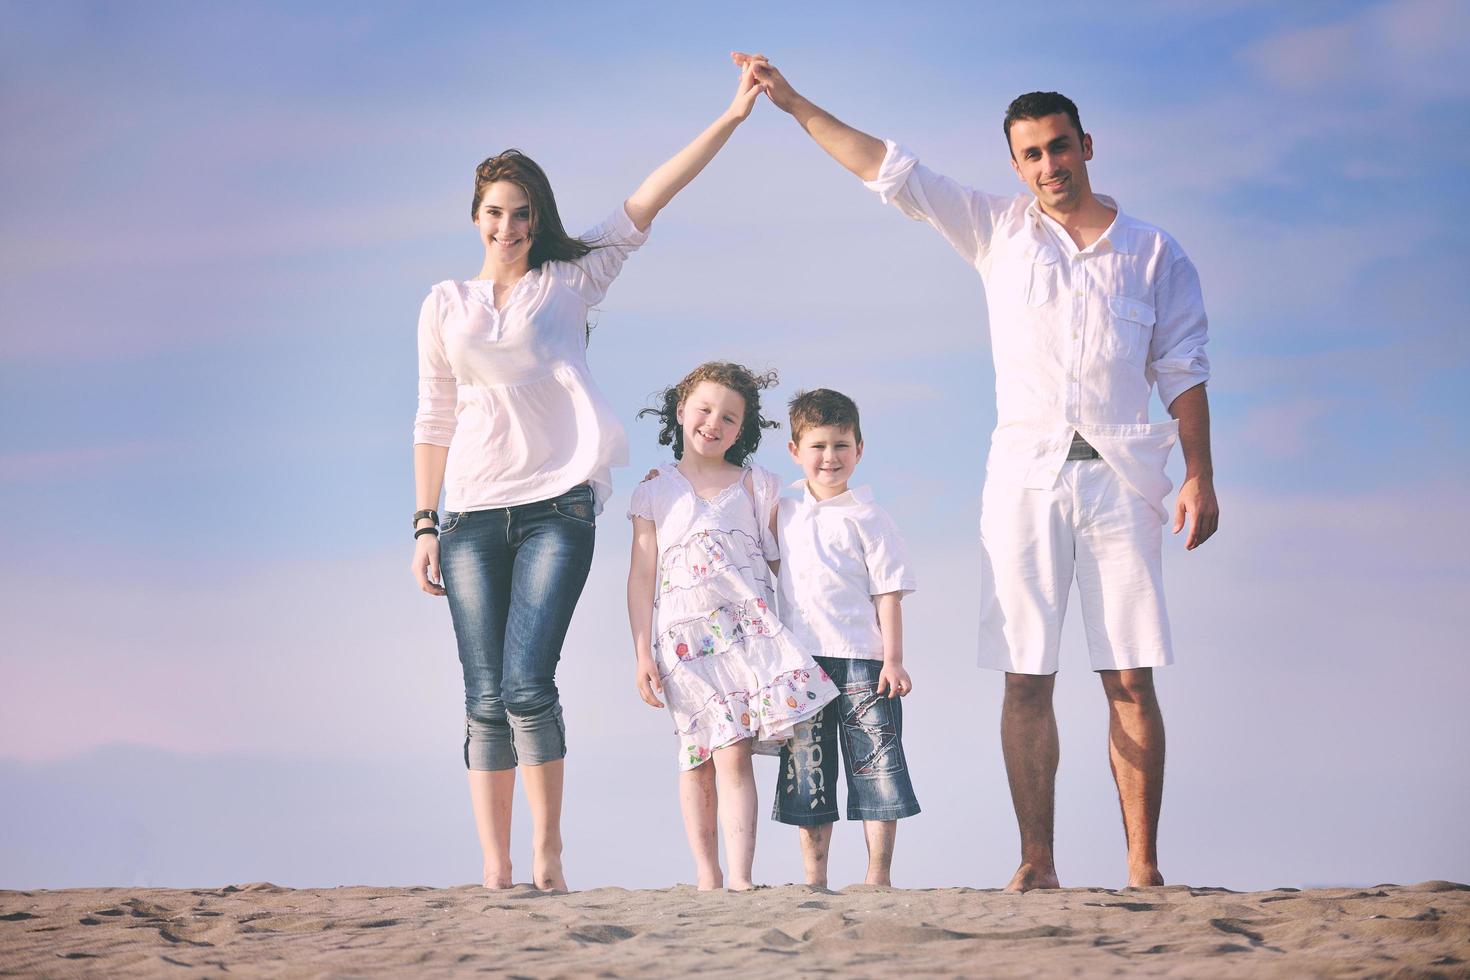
(219, 221)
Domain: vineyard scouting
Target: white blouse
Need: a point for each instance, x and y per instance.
(508, 391)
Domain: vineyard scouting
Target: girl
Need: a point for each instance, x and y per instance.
(699, 605)
(511, 421)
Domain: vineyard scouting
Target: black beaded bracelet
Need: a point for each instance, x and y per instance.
(426, 530)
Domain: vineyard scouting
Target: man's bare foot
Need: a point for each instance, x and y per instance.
(497, 878)
(1145, 877)
(547, 874)
(1030, 876)
(815, 882)
(881, 878)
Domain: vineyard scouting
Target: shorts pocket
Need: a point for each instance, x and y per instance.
(1129, 328)
(870, 732)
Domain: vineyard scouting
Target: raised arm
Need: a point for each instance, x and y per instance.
(659, 187)
(854, 149)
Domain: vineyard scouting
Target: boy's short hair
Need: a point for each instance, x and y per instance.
(823, 406)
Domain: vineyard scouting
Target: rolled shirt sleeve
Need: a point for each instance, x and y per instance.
(612, 242)
(1177, 358)
(965, 217)
(885, 555)
(438, 391)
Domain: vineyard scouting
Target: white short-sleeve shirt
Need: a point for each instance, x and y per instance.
(836, 555)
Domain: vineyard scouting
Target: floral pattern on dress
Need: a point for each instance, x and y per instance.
(729, 669)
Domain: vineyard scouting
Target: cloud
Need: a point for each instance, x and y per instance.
(1415, 48)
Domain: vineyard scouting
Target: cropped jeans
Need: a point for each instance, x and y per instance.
(513, 576)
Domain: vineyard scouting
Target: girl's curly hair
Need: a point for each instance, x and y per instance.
(739, 379)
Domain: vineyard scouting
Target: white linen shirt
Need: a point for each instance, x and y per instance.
(1079, 337)
(836, 555)
(509, 392)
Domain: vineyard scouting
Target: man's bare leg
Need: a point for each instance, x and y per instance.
(697, 803)
(543, 785)
(816, 847)
(1136, 749)
(880, 835)
(1028, 737)
(491, 793)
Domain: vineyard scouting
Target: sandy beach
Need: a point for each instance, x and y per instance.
(792, 930)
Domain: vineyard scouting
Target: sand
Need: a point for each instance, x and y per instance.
(792, 930)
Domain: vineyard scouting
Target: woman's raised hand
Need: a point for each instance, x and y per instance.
(746, 92)
(768, 79)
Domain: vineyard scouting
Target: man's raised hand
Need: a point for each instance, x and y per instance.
(769, 78)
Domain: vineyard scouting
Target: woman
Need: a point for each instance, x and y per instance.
(512, 428)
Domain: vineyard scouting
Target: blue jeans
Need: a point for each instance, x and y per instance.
(869, 726)
(513, 575)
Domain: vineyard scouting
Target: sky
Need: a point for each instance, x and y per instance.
(217, 223)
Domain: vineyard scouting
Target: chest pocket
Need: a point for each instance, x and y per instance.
(1130, 326)
(1041, 284)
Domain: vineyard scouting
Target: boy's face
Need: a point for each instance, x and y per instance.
(827, 455)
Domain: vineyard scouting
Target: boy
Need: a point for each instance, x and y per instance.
(842, 573)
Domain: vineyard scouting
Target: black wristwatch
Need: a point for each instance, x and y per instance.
(420, 515)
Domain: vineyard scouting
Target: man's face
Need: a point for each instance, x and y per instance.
(1050, 157)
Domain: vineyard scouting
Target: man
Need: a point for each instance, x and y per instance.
(1089, 308)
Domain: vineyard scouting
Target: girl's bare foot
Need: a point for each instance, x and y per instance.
(741, 886)
(711, 882)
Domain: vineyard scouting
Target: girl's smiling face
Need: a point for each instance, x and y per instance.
(711, 416)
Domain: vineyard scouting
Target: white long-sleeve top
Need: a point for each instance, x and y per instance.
(509, 392)
(1079, 336)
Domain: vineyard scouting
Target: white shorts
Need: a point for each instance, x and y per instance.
(1032, 543)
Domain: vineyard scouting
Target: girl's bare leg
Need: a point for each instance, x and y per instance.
(738, 801)
(490, 797)
(697, 803)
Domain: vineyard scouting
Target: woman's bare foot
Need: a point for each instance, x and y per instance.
(547, 874)
(1029, 876)
(498, 878)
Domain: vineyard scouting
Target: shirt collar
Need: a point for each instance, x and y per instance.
(1118, 234)
(850, 497)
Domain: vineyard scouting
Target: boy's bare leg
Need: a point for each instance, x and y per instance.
(1136, 750)
(491, 793)
(737, 799)
(697, 803)
(880, 835)
(543, 785)
(816, 847)
(1028, 737)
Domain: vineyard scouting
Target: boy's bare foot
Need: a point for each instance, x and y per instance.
(882, 879)
(1030, 876)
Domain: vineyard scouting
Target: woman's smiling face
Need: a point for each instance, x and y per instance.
(504, 220)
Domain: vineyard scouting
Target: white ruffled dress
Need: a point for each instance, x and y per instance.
(729, 669)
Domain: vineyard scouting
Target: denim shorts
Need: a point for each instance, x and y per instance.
(869, 727)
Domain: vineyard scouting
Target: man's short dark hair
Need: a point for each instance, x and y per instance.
(1035, 105)
(823, 406)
